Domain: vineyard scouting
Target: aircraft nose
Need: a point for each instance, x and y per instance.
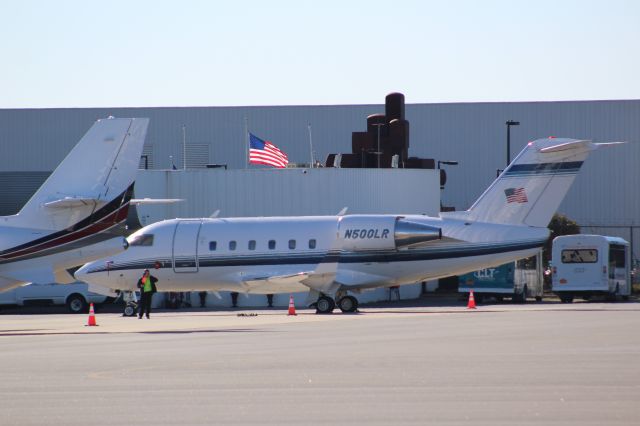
(82, 274)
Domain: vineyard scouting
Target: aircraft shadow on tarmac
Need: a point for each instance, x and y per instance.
(44, 332)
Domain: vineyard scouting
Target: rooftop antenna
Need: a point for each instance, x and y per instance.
(310, 146)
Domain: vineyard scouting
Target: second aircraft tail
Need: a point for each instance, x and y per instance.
(93, 184)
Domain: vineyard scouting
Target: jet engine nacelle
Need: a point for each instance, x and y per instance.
(359, 233)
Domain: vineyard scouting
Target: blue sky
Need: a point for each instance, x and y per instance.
(188, 53)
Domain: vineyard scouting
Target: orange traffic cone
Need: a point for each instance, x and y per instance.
(92, 317)
(292, 307)
(472, 301)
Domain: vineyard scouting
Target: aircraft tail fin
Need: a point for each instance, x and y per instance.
(531, 188)
(93, 184)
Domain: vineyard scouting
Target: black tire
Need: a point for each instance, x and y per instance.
(325, 305)
(77, 304)
(348, 304)
(538, 299)
(129, 311)
(478, 298)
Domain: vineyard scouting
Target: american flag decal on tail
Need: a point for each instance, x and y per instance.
(516, 195)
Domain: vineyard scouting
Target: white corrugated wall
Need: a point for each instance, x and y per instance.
(299, 192)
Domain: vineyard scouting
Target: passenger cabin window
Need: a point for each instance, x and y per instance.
(312, 244)
(272, 244)
(292, 244)
(213, 245)
(142, 240)
(580, 256)
(232, 245)
(252, 245)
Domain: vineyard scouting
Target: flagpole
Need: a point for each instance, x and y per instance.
(184, 147)
(310, 146)
(246, 142)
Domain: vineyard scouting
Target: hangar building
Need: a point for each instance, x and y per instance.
(604, 198)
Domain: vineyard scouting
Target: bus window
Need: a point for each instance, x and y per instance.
(580, 256)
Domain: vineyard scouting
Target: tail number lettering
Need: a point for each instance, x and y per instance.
(371, 233)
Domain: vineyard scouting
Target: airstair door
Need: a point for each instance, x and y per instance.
(185, 246)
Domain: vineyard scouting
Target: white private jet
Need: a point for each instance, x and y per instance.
(337, 256)
(78, 214)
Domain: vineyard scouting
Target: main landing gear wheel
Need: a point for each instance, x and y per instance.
(325, 305)
(348, 304)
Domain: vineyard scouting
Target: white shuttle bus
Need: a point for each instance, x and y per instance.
(590, 265)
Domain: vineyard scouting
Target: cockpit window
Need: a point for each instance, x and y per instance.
(142, 240)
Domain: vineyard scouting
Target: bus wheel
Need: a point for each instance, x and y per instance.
(566, 298)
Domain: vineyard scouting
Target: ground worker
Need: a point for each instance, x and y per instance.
(147, 286)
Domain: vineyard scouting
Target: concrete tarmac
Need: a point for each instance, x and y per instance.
(537, 364)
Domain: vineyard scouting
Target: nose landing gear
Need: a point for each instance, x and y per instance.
(131, 303)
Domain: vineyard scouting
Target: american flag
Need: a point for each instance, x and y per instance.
(261, 152)
(516, 195)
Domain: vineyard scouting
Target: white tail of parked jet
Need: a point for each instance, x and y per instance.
(79, 209)
(531, 189)
(99, 170)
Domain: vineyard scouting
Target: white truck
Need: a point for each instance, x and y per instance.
(590, 265)
(76, 296)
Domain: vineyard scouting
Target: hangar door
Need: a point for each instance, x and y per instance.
(185, 246)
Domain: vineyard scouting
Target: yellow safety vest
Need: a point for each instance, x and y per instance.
(146, 282)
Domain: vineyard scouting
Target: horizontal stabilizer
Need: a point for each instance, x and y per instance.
(578, 144)
(138, 201)
(573, 144)
(608, 144)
